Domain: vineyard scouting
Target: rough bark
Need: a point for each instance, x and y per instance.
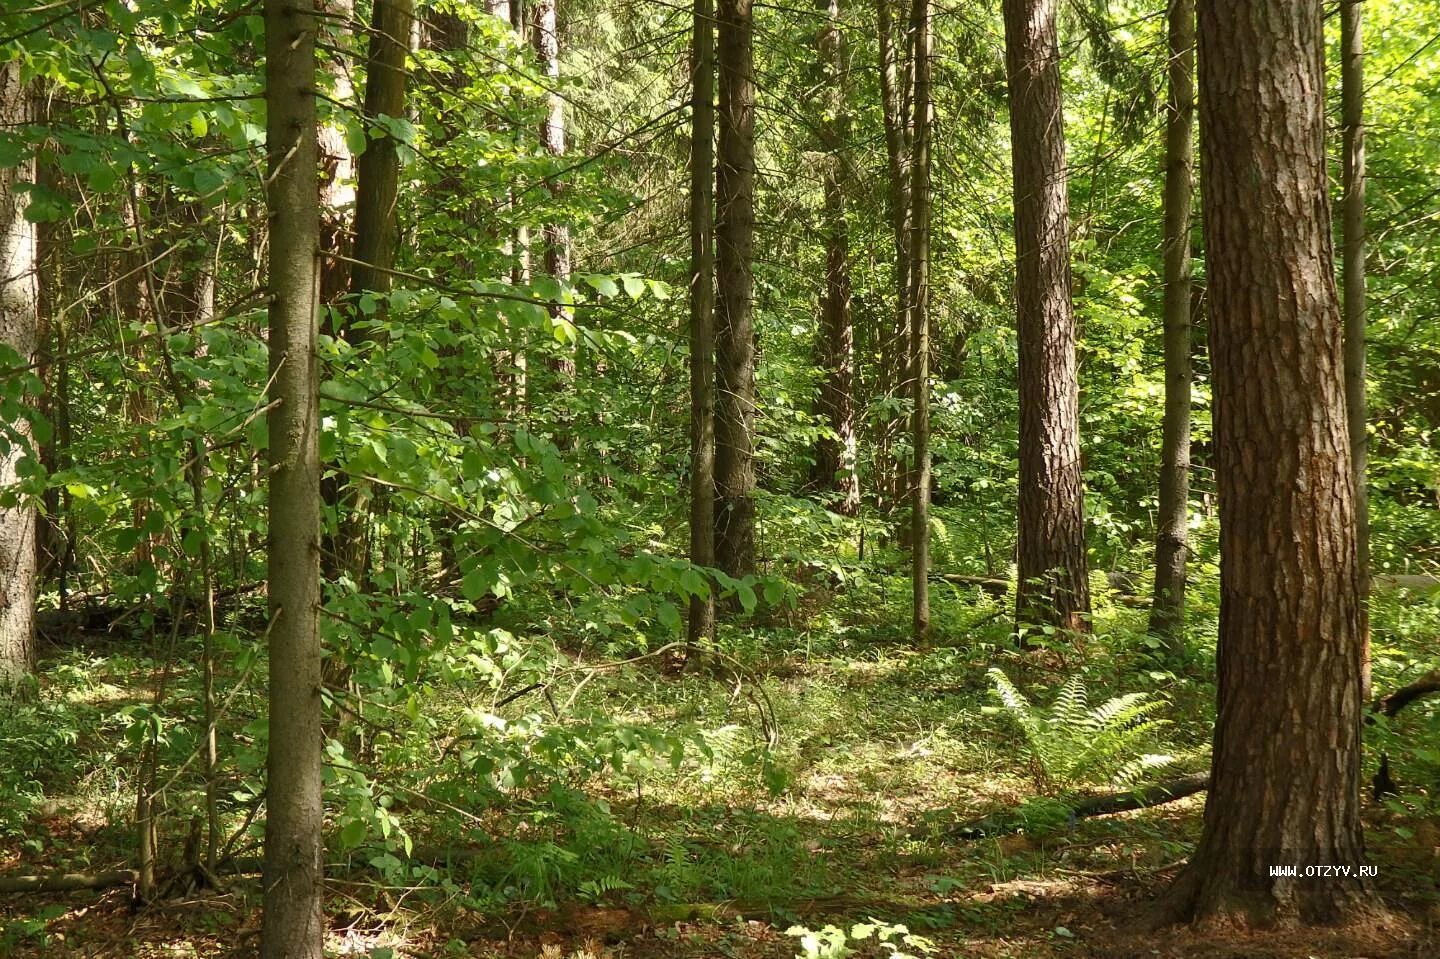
(1352, 126)
(835, 455)
(1167, 609)
(19, 330)
(735, 334)
(1053, 587)
(1285, 772)
(701, 624)
(292, 926)
(919, 303)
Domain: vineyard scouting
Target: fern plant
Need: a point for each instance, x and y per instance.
(1073, 744)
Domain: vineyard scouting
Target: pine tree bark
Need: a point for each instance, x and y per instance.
(919, 302)
(701, 623)
(1167, 608)
(1285, 772)
(1352, 125)
(735, 334)
(19, 330)
(1053, 587)
(292, 927)
(835, 455)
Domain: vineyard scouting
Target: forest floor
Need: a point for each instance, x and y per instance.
(877, 749)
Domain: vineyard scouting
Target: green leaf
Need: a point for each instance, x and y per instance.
(353, 833)
(604, 285)
(476, 583)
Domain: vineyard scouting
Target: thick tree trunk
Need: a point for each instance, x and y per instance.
(919, 303)
(1352, 125)
(835, 456)
(896, 88)
(701, 624)
(1167, 610)
(292, 927)
(1053, 586)
(19, 330)
(1285, 773)
(735, 334)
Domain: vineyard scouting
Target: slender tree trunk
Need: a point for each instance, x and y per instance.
(735, 334)
(919, 301)
(378, 169)
(337, 165)
(292, 926)
(341, 543)
(895, 89)
(835, 460)
(552, 138)
(377, 175)
(1167, 610)
(19, 330)
(702, 314)
(519, 275)
(1285, 772)
(1053, 587)
(1352, 124)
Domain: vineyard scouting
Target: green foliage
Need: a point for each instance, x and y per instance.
(1074, 744)
(892, 941)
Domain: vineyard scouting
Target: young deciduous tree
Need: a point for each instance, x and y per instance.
(835, 455)
(1285, 774)
(1053, 587)
(1167, 610)
(292, 927)
(19, 330)
(546, 36)
(1352, 127)
(896, 90)
(919, 304)
(735, 331)
(701, 623)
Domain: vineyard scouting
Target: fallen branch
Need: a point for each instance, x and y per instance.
(1426, 685)
(1004, 823)
(68, 881)
(1419, 582)
(1382, 784)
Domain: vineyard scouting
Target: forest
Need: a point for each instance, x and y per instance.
(632, 479)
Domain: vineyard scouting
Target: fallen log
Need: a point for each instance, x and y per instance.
(1404, 581)
(68, 881)
(1009, 821)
